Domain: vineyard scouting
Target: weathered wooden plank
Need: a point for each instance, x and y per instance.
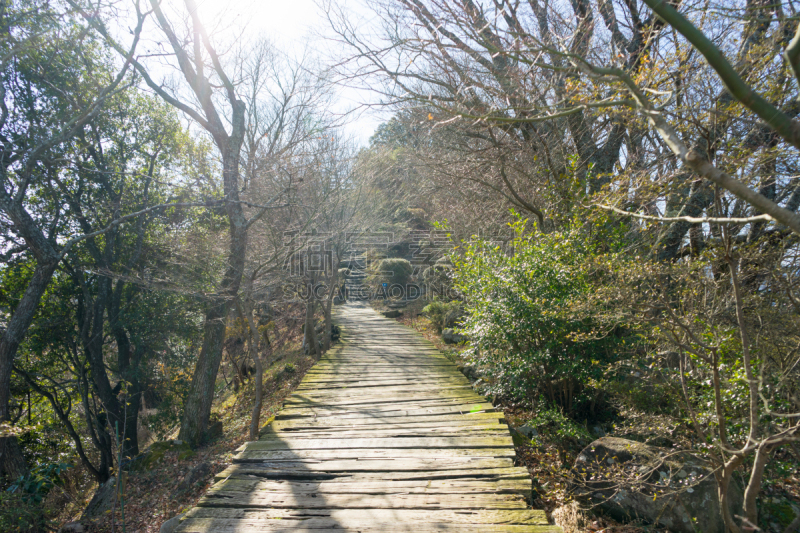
(398, 500)
(413, 409)
(226, 525)
(338, 486)
(412, 442)
(321, 384)
(478, 425)
(374, 453)
(357, 517)
(375, 399)
(462, 393)
(439, 471)
(466, 418)
(396, 464)
(389, 389)
(497, 430)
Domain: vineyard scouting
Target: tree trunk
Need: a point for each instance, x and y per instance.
(93, 346)
(197, 409)
(133, 402)
(12, 462)
(310, 336)
(333, 289)
(255, 342)
(128, 367)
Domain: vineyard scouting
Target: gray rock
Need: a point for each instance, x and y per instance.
(528, 431)
(195, 475)
(449, 336)
(471, 372)
(392, 313)
(597, 430)
(171, 525)
(622, 476)
(103, 499)
(72, 527)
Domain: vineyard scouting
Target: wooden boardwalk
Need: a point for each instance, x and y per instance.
(382, 435)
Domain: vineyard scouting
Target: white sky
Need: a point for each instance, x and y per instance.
(292, 26)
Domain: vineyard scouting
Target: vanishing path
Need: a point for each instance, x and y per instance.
(382, 435)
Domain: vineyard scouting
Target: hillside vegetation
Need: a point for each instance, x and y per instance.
(595, 202)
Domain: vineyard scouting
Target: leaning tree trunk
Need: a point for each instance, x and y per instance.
(12, 462)
(197, 409)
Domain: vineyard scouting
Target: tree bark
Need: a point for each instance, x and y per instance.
(12, 462)
(128, 367)
(332, 291)
(197, 409)
(310, 336)
(255, 343)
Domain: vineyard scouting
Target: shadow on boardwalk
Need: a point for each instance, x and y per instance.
(382, 435)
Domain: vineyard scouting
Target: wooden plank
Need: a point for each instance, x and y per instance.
(323, 525)
(439, 471)
(464, 393)
(412, 409)
(442, 486)
(397, 464)
(323, 384)
(412, 442)
(497, 430)
(464, 396)
(390, 389)
(372, 453)
(466, 418)
(357, 517)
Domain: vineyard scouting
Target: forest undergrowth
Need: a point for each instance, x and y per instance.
(158, 493)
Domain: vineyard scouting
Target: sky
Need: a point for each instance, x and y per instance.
(293, 26)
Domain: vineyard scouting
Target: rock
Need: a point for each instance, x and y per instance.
(597, 430)
(156, 451)
(171, 525)
(528, 431)
(214, 431)
(471, 372)
(622, 476)
(522, 435)
(195, 475)
(392, 313)
(72, 527)
(103, 499)
(449, 336)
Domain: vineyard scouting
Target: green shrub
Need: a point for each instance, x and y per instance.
(442, 314)
(21, 508)
(39, 481)
(521, 321)
(19, 514)
(394, 271)
(439, 276)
